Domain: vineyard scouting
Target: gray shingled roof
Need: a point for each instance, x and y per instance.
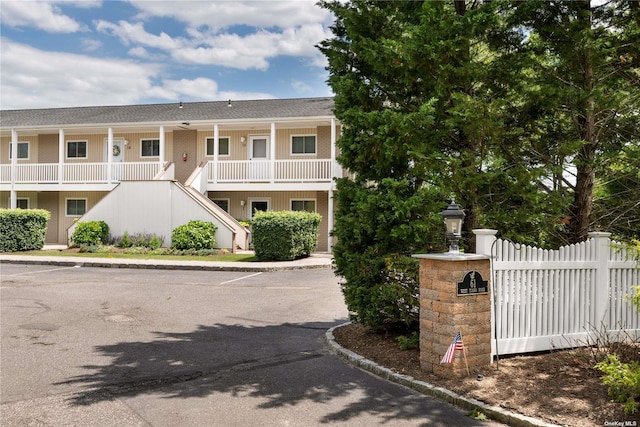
(150, 113)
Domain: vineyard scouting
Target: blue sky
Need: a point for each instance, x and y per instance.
(91, 52)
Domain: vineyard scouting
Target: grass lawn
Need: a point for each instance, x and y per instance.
(223, 257)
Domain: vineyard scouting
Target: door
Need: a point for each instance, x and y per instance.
(256, 205)
(259, 158)
(117, 153)
(117, 157)
(184, 153)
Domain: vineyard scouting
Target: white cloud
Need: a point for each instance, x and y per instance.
(218, 15)
(44, 15)
(267, 29)
(250, 51)
(90, 45)
(300, 86)
(201, 89)
(135, 33)
(33, 78)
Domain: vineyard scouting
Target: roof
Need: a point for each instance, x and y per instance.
(152, 113)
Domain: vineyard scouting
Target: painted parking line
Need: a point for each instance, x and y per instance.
(42, 271)
(241, 278)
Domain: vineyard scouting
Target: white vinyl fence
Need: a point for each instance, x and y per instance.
(549, 299)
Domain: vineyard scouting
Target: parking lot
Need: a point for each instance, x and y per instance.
(120, 347)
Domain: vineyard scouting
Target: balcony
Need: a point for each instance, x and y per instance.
(244, 171)
(55, 174)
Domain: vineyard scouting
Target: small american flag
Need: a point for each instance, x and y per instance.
(456, 344)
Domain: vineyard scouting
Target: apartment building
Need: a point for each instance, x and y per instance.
(244, 156)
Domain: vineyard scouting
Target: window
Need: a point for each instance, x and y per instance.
(256, 205)
(303, 205)
(21, 203)
(76, 207)
(150, 147)
(77, 149)
(303, 144)
(223, 146)
(23, 150)
(223, 203)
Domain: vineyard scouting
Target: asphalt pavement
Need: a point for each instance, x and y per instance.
(190, 345)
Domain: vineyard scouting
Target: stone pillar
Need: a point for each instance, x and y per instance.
(446, 308)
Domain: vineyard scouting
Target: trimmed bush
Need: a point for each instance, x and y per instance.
(90, 233)
(195, 234)
(22, 229)
(286, 235)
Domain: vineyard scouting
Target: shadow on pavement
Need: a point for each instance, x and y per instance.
(278, 365)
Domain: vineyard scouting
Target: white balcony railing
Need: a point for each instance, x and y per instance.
(73, 173)
(241, 171)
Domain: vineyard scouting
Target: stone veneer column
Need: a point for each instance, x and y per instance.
(443, 313)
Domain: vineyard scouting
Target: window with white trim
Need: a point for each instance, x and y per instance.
(303, 205)
(303, 144)
(150, 148)
(76, 149)
(23, 150)
(224, 146)
(76, 207)
(21, 203)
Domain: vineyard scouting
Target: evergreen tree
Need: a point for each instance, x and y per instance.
(584, 85)
(423, 119)
(493, 103)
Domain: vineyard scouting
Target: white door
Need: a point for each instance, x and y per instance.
(117, 157)
(259, 157)
(117, 153)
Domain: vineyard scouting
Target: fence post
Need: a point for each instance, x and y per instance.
(484, 240)
(601, 243)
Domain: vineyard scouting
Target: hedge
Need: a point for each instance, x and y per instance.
(22, 229)
(285, 235)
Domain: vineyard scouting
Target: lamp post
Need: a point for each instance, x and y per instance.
(453, 218)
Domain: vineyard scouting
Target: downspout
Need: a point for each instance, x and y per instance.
(162, 148)
(109, 154)
(216, 148)
(332, 175)
(60, 156)
(14, 164)
(272, 164)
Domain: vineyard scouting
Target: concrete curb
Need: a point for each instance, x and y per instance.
(304, 264)
(493, 412)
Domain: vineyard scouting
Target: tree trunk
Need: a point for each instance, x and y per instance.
(582, 205)
(583, 201)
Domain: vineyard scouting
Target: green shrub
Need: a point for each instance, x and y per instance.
(155, 242)
(286, 235)
(90, 233)
(125, 241)
(623, 380)
(142, 240)
(22, 229)
(409, 343)
(389, 298)
(195, 234)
